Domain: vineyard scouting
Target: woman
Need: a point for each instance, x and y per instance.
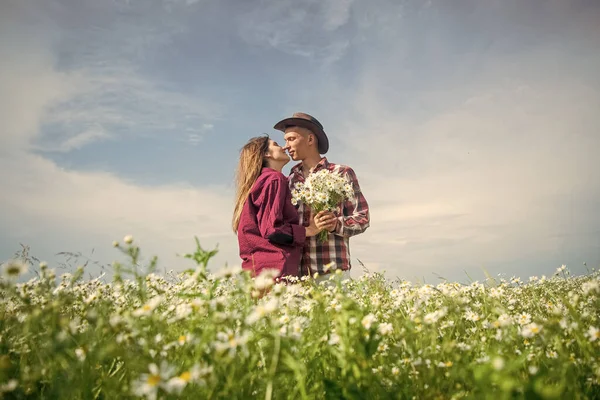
(266, 222)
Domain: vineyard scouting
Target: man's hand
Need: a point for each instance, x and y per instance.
(326, 220)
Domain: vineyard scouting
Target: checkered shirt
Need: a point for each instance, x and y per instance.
(353, 219)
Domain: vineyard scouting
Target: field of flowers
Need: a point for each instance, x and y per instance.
(200, 336)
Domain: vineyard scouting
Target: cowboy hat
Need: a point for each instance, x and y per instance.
(309, 122)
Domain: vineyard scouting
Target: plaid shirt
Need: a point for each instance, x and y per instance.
(353, 219)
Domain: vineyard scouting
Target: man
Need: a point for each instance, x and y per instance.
(305, 141)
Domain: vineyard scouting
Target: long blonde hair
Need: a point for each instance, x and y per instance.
(252, 160)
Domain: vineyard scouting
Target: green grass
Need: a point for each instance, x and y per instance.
(196, 335)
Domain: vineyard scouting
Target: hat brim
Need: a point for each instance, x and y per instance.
(320, 133)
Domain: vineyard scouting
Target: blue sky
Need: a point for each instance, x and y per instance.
(472, 125)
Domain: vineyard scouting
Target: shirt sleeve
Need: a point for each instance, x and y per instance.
(355, 218)
(270, 216)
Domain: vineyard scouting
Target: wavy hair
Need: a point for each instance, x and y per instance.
(252, 160)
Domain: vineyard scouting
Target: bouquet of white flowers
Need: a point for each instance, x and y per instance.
(322, 191)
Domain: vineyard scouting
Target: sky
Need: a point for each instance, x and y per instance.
(472, 125)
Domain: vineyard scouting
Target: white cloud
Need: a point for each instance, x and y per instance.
(55, 209)
(101, 95)
(499, 180)
(471, 157)
(73, 210)
(94, 134)
(308, 28)
(476, 148)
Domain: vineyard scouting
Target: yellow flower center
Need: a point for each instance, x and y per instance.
(153, 380)
(186, 376)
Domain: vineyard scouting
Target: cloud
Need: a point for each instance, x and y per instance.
(72, 209)
(471, 126)
(308, 29)
(96, 90)
(49, 104)
(119, 101)
(502, 179)
(475, 150)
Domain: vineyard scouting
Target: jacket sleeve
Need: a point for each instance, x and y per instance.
(355, 218)
(271, 223)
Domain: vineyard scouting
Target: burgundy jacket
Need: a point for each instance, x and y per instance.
(269, 233)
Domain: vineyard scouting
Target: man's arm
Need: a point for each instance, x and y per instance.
(355, 218)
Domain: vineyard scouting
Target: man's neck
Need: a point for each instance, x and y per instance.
(309, 163)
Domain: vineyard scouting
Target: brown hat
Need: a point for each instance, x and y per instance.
(309, 122)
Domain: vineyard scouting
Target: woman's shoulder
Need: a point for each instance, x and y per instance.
(268, 178)
(269, 175)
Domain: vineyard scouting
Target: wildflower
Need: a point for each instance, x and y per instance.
(9, 386)
(395, 371)
(524, 319)
(230, 340)
(463, 346)
(533, 369)
(471, 316)
(498, 335)
(178, 383)
(530, 330)
(334, 339)
(385, 329)
(590, 286)
(383, 347)
(503, 321)
(147, 308)
(262, 310)
(14, 269)
(182, 311)
(128, 239)
(367, 321)
(80, 353)
(148, 384)
(433, 317)
(498, 363)
(183, 339)
(593, 333)
(551, 354)
(327, 267)
(196, 375)
(266, 279)
(228, 272)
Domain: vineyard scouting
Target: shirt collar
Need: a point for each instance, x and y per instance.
(323, 164)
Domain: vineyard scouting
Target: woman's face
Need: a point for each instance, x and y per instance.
(276, 152)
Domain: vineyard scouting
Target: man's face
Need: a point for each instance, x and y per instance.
(297, 142)
(276, 152)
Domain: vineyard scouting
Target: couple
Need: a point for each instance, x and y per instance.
(273, 233)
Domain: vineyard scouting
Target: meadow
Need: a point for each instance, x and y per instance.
(202, 335)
